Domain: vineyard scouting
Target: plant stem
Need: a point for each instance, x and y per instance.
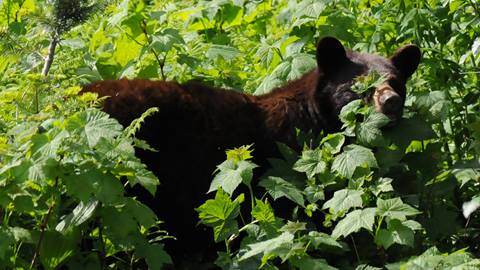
(355, 248)
(101, 252)
(42, 234)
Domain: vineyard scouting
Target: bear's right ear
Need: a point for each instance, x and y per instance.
(331, 55)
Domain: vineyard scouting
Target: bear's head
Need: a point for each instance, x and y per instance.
(339, 68)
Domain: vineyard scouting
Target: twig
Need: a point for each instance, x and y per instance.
(161, 62)
(42, 233)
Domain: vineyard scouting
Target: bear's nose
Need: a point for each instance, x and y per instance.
(391, 102)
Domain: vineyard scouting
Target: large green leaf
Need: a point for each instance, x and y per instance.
(94, 125)
(311, 162)
(81, 213)
(395, 233)
(343, 200)
(354, 221)
(55, 248)
(231, 174)
(277, 188)
(220, 214)
(269, 246)
(368, 132)
(395, 208)
(352, 157)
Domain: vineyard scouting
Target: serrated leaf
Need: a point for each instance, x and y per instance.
(311, 163)
(226, 52)
(395, 209)
(263, 212)
(81, 213)
(354, 221)
(165, 39)
(349, 112)
(352, 157)
(93, 125)
(154, 255)
(396, 233)
(220, 214)
(231, 174)
(145, 178)
(277, 188)
(322, 239)
(344, 199)
(368, 132)
(333, 142)
(268, 246)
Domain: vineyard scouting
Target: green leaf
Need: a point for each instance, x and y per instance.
(165, 39)
(263, 212)
(352, 157)
(308, 263)
(81, 213)
(354, 221)
(348, 114)
(268, 247)
(433, 259)
(319, 239)
(142, 214)
(277, 188)
(55, 248)
(311, 163)
(93, 124)
(382, 185)
(333, 142)
(231, 174)
(368, 132)
(154, 254)
(220, 214)
(395, 209)
(343, 200)
(6, 239)
(396, 233)
(226, 52)
(145, 178)
(240, 153)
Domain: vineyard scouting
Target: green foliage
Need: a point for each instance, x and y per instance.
(388, 193)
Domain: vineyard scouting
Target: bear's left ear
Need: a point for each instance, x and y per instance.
(331, 55)
(406, 60)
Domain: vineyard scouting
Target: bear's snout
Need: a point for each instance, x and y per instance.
(388, 102)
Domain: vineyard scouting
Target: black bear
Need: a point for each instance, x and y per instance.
(196, 124)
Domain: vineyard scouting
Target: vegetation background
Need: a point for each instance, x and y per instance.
(402, 199)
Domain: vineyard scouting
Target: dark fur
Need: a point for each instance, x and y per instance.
(196, 124)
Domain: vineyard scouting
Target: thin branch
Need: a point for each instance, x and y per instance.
(43, 226)
(161, 62)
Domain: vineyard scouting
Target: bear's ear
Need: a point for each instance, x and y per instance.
(331, 55)
(406, 60)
